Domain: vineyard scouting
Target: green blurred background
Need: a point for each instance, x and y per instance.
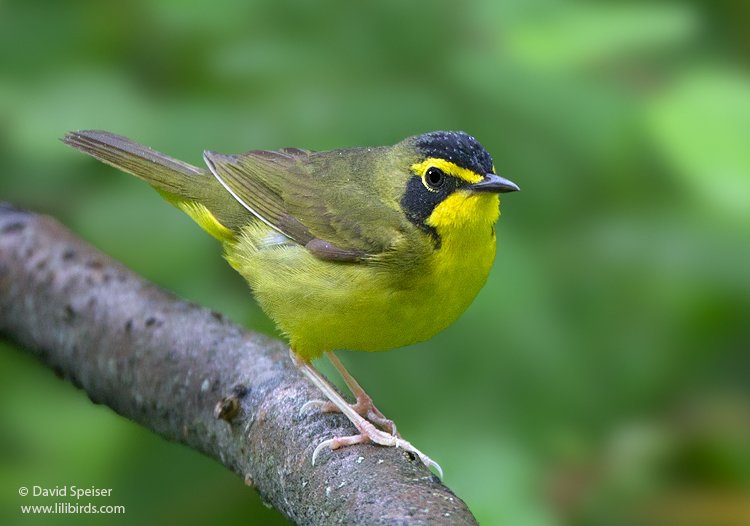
(601, 376)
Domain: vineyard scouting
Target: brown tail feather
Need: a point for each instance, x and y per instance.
(129, 156)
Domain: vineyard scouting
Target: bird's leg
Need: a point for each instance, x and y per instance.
(364, 405)
(367, 430)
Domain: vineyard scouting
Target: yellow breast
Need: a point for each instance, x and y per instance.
(322, 305)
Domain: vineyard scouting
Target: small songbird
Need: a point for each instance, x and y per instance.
(360, 248)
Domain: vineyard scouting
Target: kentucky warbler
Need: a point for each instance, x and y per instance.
(362, 248)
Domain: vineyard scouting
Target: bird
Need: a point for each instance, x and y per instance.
(366, 249)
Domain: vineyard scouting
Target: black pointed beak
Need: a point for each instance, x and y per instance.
(493, 184)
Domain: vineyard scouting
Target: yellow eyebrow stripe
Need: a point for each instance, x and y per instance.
(448, 167)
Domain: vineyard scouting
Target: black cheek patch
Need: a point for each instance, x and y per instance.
(419, 202)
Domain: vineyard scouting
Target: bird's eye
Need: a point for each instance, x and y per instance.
(434, 177)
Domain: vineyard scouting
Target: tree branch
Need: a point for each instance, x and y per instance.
(169, 365)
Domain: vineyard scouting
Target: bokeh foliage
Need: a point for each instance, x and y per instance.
(600, 378)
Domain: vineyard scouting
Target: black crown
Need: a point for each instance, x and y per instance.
(458, 147)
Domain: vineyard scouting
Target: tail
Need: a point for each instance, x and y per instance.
(129, 156)
(193, 190)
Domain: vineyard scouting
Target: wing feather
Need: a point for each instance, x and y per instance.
(332, 202)
(271, 184)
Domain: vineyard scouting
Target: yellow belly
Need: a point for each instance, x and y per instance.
(321, 305)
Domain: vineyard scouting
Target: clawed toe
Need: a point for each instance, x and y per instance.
(316, 403)
(363, 407)
(379, 438)
(337, 442)
(367, 409)
(355, 413)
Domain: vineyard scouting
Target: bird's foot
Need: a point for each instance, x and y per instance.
(369, 432)
(363, 407)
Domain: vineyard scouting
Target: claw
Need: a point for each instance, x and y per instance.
(355, 413)
(337, 442)
(312, 403)
(321, 446)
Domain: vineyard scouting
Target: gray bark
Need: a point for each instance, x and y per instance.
(194, 377)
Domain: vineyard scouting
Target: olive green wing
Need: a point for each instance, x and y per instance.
(308, 202)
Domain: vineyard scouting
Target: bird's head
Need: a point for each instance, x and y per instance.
(451, 184)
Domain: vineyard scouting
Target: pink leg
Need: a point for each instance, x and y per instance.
(367, 430)
(364, 405)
